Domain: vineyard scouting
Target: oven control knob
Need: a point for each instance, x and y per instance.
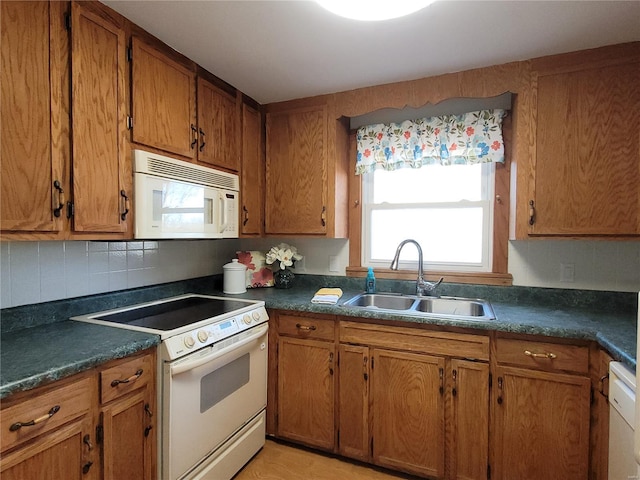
(202, 336)
(246, 319)
(256, 315)
(189, 341)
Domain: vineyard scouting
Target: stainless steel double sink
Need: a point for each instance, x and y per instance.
(445, 307)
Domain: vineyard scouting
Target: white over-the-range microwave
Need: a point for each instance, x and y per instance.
(177, 199)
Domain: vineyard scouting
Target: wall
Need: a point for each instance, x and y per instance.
(34, 272)
(597, 264)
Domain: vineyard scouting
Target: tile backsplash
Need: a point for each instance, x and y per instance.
(34, 272)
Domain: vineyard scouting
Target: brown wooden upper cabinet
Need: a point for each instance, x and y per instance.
(306, 171)
(252, 176)
(586, 165)
(33, 157)
(49, 188)
(163, 97)
(100, 168)
(165, 114)
(218, 126)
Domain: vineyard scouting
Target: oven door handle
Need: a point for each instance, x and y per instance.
(191, 364)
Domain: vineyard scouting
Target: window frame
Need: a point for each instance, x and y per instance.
(487, 188)
(502, 199)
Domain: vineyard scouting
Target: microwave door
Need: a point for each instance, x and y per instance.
(174, 209)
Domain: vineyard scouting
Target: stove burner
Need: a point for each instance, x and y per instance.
(174, 314)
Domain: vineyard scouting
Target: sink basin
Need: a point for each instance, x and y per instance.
(383, 301)
(452, 306)
(444, 307)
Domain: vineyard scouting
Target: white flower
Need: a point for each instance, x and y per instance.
(283, 253)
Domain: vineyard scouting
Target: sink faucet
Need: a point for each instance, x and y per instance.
(422, 286)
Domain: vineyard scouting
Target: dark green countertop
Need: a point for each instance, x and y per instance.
(615, 330)
(39, 355)
(40, 345)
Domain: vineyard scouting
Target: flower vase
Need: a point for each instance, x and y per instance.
(283, 278)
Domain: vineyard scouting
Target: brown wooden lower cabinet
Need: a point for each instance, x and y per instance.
(77, 437)
(438, 404)
(541, 425)
(407, 398)
(306, 391)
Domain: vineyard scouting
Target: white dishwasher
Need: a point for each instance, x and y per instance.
(622, 400)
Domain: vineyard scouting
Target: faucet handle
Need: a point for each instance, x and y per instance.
(428, 287)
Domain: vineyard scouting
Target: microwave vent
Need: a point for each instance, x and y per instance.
(179, 170)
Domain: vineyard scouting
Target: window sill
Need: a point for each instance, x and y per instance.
(485, 278)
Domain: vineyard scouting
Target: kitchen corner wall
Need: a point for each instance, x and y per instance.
(34, 272)
(597, 264)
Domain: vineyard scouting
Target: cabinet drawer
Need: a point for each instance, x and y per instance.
(125, 377)
(48, 411)
(306, 327)
(459, 345)
(543, 355)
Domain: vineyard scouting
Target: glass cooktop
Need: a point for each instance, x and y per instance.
(174, 314)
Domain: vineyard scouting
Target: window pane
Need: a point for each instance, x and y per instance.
(431, 183)
(446, 235)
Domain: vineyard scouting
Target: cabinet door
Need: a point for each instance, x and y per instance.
(296, 172)
(252, 177)
(99, 122)
(62, 453)
(32, 116)
(218, 127)
(408, 412)
(163, 98)
(354, 402)
(587, 167)
(306, 391)
(541, 425)
(469, 451)
(129, 437)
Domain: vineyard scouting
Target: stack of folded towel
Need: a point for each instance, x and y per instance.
(327, 295)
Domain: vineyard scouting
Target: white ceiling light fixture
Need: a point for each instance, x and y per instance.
(373, 10)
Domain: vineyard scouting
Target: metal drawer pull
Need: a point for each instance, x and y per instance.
(306, 328)
(132, 378)
(550, 356)
(18, 425)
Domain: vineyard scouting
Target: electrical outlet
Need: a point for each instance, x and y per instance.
(333, 263)
(567, 272)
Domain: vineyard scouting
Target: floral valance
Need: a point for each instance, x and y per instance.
(474, 137)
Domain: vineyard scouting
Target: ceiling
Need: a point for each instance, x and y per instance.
(281, 50)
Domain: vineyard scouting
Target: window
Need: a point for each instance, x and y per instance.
(448, 210)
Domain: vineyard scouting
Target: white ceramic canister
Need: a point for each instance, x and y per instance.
(234, 277)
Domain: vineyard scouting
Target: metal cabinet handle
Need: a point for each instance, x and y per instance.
(18, 425)
(454, 375)
(550, 356)
(306, 328)
(194, 136)
(323, 216)
(532, 212)
(202, 142)
(132, 378)
(246, 215)
(58, 209)
(441, 376)
(126, 205)
(87, 441)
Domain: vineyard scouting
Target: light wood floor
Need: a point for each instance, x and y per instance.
(277, 461)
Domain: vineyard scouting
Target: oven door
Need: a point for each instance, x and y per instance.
(208, 396)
